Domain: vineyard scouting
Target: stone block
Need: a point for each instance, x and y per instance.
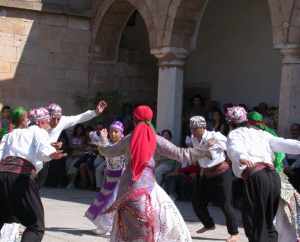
(6, 25)
(6, 76)
(296, 18)
(34, 55)
(5, 67)
(54, 20)
(294, 35)
(78, 23)
(9, 53)
(6, 39)
(22, 27)
(75, 75)
(77, 35)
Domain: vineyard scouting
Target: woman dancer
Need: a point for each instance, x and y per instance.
(144, 212)
(108, 194)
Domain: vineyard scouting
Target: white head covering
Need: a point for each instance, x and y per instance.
(39, 114)
(236, 115)
(197, 122)
(54, 110)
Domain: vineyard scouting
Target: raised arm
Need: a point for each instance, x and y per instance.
(166, 149)
(70, 121)
(288, 146)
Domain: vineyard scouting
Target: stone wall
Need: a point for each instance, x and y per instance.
(235, 58)
(43, 57)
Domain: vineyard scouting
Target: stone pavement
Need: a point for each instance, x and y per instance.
(65, 222)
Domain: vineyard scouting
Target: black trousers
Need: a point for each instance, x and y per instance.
(20, 202)
(260, 203)
(217, 190)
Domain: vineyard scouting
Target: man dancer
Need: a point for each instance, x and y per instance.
(20, 199)
(60, 122)
(215, 181)
(252, 153)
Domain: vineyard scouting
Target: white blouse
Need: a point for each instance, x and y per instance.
(256, 146)
(31, 144)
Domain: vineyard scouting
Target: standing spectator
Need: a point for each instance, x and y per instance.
(6, 124)
(164, 165)
(57, 169)
(218, 122)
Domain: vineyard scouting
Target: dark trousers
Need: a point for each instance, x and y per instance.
(260, 203)
(218, 190)
(20, 202)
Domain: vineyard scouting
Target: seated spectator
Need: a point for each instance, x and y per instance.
(179, 184)
(6, 124)
(164, 165)
(79, 156)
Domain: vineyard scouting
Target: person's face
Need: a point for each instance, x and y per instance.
(23, 122)
(99, 127)
(196, 101)
(6, 113)
(79, 131)
(198, 132)
(295, 131)
(44, 124)
(54, 121)
(166, 135)
(115, 135)
(216, 116)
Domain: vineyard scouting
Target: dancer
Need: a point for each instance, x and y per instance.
(60, 122)
(108, 194)
(215, 181)
(144, 212)
(288, 214)
(20, 199)
(252, 153)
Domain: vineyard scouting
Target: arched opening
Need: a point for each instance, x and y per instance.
(121, 57)
(234, 61)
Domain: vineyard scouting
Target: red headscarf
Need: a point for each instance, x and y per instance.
(143, 141)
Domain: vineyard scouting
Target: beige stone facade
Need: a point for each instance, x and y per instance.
(53, 50)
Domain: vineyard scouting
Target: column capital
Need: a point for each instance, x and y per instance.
(290, 55)
(170, 56)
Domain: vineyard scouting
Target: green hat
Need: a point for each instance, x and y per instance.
(255, 116)
(16, 114)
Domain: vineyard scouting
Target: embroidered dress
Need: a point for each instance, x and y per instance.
(107, 196)
(143, 211)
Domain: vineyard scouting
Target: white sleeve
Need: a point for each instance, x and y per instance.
(44, 147)
(2, 145)
(288, 146)
(70, 121)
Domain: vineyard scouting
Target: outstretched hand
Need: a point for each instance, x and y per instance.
(58, 155)
(57, 145)
(102, 105)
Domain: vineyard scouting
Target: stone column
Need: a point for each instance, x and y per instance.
(289, 103)
(170, 90)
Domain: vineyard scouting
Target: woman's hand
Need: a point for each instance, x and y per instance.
(58, 155)
(104, 134)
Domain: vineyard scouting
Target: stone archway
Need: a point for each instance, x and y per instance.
(109, 23)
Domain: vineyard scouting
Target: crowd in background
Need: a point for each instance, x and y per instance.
(84, 167)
